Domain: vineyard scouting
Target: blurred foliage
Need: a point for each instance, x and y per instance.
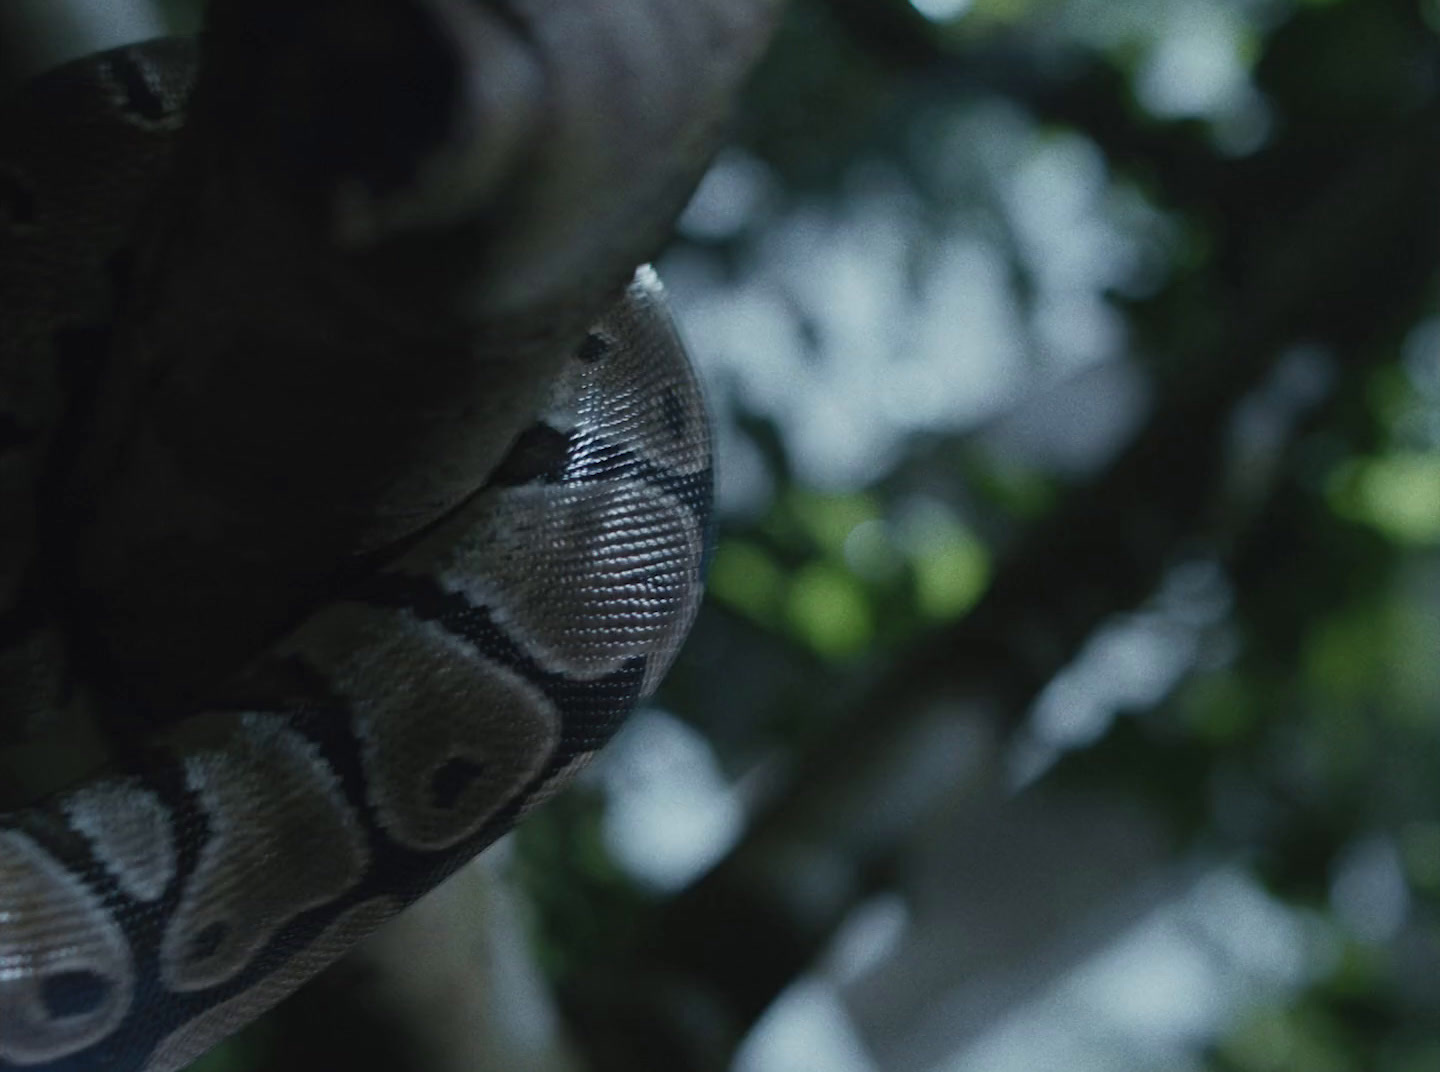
(830, 573)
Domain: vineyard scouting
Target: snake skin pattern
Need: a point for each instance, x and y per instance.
(452, 673)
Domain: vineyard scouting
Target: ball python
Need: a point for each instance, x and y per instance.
(354, 483)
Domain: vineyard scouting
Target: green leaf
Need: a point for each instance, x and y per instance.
(1397, 494)
(828, 610)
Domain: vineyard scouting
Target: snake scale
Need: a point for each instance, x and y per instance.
(354, 483)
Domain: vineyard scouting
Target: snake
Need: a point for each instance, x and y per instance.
(354, 481)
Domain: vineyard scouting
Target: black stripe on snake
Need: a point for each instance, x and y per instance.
(354, 484)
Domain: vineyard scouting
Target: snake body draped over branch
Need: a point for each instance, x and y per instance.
(353, 481)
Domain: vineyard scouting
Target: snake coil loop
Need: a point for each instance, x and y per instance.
(349, 495)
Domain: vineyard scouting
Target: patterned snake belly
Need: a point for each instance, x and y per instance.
(419, 676)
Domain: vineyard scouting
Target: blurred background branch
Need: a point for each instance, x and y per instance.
(1104, 550)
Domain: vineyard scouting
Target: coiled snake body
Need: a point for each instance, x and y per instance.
(326, 475)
